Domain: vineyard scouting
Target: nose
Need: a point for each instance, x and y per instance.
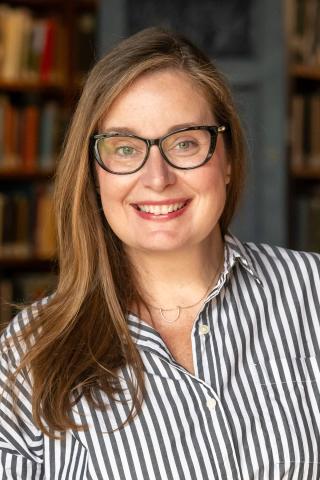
(157, 174)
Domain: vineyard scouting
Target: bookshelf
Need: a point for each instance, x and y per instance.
(46, 46)
(303, 26)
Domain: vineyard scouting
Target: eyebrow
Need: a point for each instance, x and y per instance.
(132, 131)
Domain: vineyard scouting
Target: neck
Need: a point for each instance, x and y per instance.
(178, 277)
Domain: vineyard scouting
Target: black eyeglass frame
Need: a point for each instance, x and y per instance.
(214, 130)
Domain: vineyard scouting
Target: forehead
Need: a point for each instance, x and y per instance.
(160, 96)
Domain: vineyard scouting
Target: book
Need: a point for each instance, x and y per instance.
(314, 223)
(49, 135)
(12, 35)
(22, 248)
(315, 130)
(45, 244)
(304, 130)
(296, 131)
(6, 247)
(302, 25)
(3, 100)
(31, 48)
(307, 222)
(60, 54)
(35, 48)
(10, 159)
(47, 54)
(30, 137)
(2, 205)
(6, 299)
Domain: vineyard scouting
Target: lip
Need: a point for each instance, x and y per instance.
(168, 201)
(162, 218)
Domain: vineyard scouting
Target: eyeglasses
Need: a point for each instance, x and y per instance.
(185, 149)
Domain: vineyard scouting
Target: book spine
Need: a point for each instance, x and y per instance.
(46, 61)
(315, 130)
(45, 245)
(296, 134)
(48, 136)
(12, 43)
(6, 299)
(30, 138)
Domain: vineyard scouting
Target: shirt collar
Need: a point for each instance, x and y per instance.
(237, 252)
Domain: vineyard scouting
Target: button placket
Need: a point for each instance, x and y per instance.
(204, 329)
(211, 403)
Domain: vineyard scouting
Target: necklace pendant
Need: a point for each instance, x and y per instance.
(165, 319)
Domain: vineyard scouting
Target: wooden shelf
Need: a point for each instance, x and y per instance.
(31, 86)
(306, 172)
(49, 4)
(37, 3)
(308, 72)
(87, 4)
(22, 175)
(27, 264)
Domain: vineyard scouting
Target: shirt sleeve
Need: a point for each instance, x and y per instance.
(21, 442)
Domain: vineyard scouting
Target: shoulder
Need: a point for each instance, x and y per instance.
(267, 258)
(287, 269)
(274, 257)
(279, 268)
(21, 445)
(13, 344)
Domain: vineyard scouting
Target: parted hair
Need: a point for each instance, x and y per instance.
(82, 337)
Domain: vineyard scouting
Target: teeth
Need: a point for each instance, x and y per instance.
(161, 209)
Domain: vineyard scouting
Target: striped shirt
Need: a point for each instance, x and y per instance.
(250, 411)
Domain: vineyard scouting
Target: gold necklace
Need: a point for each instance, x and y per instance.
(178, 307)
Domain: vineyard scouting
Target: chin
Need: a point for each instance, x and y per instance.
(162, 246)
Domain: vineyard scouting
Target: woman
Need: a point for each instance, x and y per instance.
(170, 350)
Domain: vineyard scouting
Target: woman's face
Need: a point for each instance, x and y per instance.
(155, 104)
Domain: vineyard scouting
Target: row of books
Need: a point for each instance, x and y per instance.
(26, 223)
(23, 289)
(305, 128)
(36, 49)
(31, 48)
(307, 222)
(303, 23)
(30, 135)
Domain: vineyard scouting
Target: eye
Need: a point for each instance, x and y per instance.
(125, 151)
(185, 144)
(182, 145)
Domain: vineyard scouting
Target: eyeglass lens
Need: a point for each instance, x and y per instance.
(183, 149)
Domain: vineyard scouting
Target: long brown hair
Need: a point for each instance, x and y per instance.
(82, 334)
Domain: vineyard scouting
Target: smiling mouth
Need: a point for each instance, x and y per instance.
(161, 209)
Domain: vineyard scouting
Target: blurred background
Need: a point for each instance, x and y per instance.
(269, 51)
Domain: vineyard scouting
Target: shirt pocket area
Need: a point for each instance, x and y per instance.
(289, 394)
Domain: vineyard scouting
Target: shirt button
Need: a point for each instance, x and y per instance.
(211, 403)
(204, 329)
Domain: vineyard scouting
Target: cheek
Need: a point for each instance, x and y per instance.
(113, 194)
(214, 178)
(108, 195)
